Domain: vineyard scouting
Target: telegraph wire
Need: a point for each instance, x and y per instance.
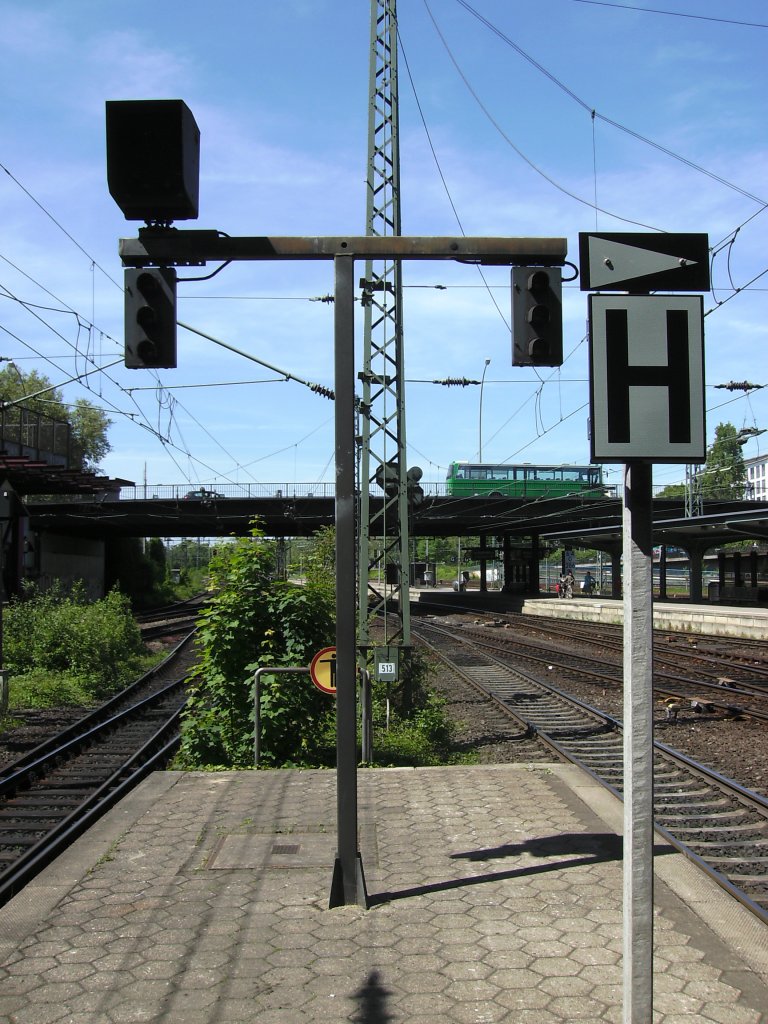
(94, 263)
(64, 308)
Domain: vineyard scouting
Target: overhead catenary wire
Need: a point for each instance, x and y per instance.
(534, 167)
(593, 112)
(159, 388)
(433, 151)
(673, 14)
(319, 389)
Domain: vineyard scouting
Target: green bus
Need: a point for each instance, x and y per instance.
(466, 479)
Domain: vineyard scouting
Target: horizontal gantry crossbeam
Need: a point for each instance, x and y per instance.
(171, 247)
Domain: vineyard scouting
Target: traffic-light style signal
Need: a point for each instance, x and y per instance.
(387, 477)
(415, 490)
(150, 317)
(537, 316)
(153, 159)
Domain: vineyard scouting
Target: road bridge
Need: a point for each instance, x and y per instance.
(520, 529)
(299, 514)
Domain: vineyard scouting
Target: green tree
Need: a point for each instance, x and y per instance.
(672, 491)
(724, 476)
(88, 442)
(320, 564)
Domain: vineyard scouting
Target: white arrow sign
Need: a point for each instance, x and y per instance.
(611, 261)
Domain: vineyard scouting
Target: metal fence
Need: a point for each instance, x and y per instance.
(35, 436)
(176, 492)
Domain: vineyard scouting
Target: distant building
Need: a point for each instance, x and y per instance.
(757, 478)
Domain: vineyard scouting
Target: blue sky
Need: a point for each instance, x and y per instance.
(280, 93)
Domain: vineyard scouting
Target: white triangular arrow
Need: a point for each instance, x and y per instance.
(610, 262)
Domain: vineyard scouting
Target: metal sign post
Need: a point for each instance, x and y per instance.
(269, 670)
(348, 883)
(638, 744)
(646, 379)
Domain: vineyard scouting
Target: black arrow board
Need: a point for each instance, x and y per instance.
(630, 261)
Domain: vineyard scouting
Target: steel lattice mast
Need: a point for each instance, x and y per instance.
(383, 542)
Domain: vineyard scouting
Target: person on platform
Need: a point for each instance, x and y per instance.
(588, 585)
(567, 585)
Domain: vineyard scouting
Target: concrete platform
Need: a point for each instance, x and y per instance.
(717, 619)
(495, 892)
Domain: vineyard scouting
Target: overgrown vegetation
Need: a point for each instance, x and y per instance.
(254, 621)
(61, 649)
(410, 726)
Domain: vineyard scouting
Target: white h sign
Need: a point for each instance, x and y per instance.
(647, 378)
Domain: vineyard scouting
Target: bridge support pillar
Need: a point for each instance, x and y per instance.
(533, 566)
(696, 563)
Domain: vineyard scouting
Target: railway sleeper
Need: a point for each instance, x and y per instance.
(726, 847)
(7, 829)
(606, 757)
(758, 864)
(671, 800)
(698, 816)
(748, 831)
(56, 798)
(683, 785)
(18, 813)
(23, 839)
(753, 881)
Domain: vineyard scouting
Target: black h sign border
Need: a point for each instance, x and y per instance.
(638, 346)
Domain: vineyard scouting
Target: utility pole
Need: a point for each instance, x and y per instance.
(383, 537)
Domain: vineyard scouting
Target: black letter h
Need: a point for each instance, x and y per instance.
(674, 376)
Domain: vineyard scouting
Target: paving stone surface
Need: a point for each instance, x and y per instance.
(495, 896)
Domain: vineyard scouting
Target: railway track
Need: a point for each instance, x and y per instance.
(54, 792)
(674, 678)
(712, 657)
(179, 617)
(717, 823)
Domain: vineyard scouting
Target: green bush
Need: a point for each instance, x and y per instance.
(38, 688)
(61, 649)
(419, 731)
(254, 621)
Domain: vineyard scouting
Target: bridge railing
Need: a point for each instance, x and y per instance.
(184, 492)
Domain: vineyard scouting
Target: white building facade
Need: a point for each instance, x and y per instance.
(757, 478)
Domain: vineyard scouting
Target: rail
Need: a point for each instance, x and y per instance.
(713, 821)
(53, 793)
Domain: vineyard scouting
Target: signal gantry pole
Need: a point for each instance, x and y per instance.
(383, 537)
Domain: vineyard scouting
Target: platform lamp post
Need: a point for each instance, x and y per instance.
(480, 425)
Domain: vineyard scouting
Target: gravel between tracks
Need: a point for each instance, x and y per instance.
(737, 749)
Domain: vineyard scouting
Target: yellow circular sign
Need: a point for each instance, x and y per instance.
(322, 670)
